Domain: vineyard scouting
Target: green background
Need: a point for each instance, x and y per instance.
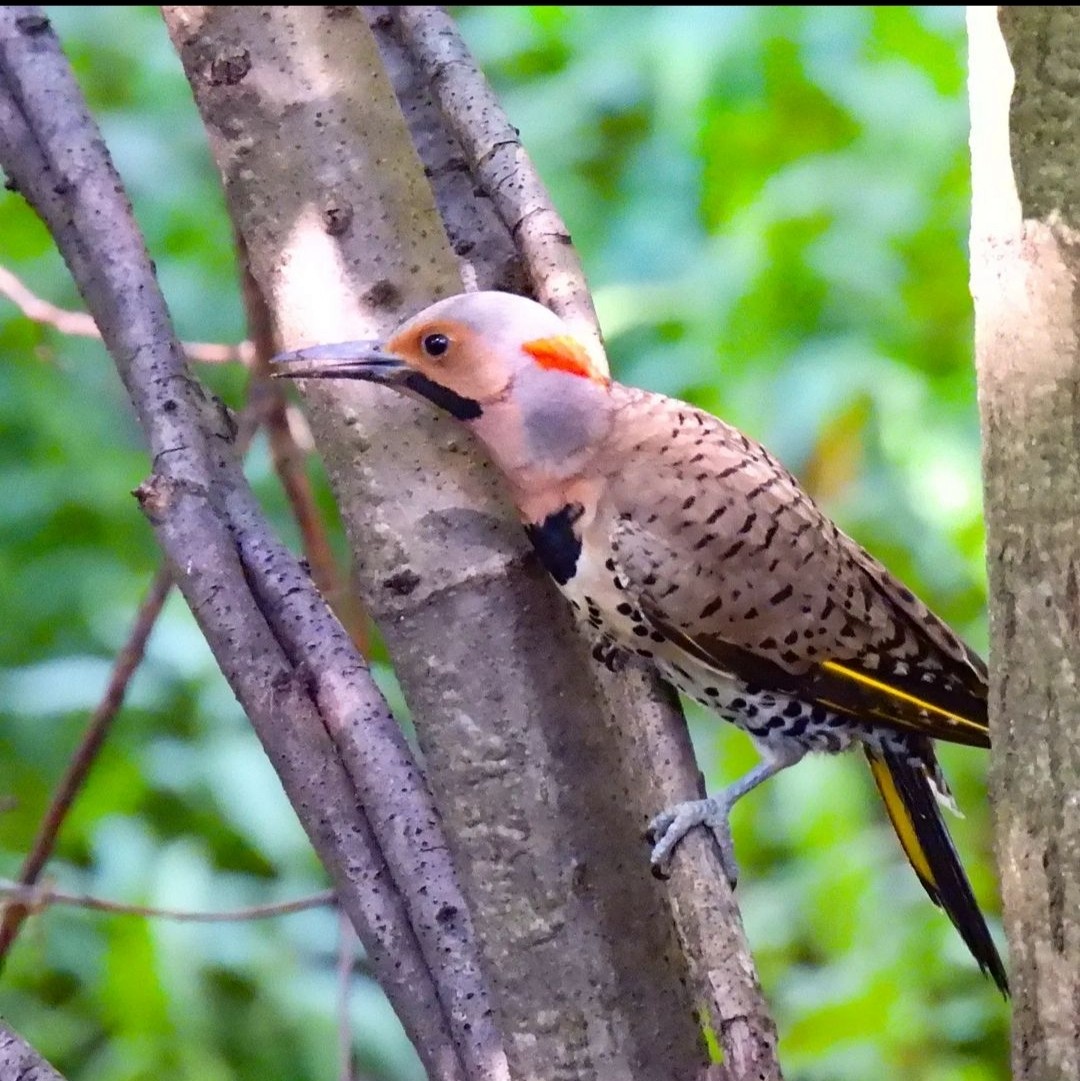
(771, 205)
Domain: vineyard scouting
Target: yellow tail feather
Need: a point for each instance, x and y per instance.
(902, 822)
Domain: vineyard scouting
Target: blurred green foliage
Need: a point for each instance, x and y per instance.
(771, 204)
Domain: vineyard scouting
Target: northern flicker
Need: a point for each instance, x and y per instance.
(683, 542)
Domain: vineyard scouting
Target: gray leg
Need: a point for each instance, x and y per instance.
(669, 827)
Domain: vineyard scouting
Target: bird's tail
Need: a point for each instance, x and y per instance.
(909, 797)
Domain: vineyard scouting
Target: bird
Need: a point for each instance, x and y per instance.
(682, 542)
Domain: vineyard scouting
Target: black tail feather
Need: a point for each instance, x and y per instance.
(916, 817)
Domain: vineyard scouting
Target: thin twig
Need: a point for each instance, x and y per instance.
(35, 898)
(127, 660)
(82, 325)
(346, 956)
(289, 463)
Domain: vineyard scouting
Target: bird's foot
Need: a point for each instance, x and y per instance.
(669, 827)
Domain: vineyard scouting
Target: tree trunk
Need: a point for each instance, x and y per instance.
(1025, 254)
(545, 771)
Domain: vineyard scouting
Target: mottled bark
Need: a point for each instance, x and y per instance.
(1025, 266)
(20, 1062)
(545, 771)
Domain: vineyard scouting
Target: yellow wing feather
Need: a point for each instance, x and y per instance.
(894, 692)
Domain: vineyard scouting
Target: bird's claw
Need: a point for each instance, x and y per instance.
(669, 827)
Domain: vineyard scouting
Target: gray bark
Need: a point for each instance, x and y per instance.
(20, 1062)
(544, 771)
(1025, 266)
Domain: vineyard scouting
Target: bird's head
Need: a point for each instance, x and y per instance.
(505, 366)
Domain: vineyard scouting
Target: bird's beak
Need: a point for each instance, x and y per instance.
(370, 361)
(345, 360)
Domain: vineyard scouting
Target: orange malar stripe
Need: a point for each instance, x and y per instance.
(564, 354)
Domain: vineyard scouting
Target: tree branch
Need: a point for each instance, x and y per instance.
(498, 162)
(486, 253)
(82, 325)
(654, 755)
(291, 666)
(288, 459)
(36, 898)
(20, 1062)
(265, 405)
(127, 661)
(544, 783)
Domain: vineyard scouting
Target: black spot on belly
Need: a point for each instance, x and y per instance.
(556, 543)
(798, 727)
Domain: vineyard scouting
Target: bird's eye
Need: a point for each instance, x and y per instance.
(435, 344)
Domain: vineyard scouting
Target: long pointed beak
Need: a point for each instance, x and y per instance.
(344, 360)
